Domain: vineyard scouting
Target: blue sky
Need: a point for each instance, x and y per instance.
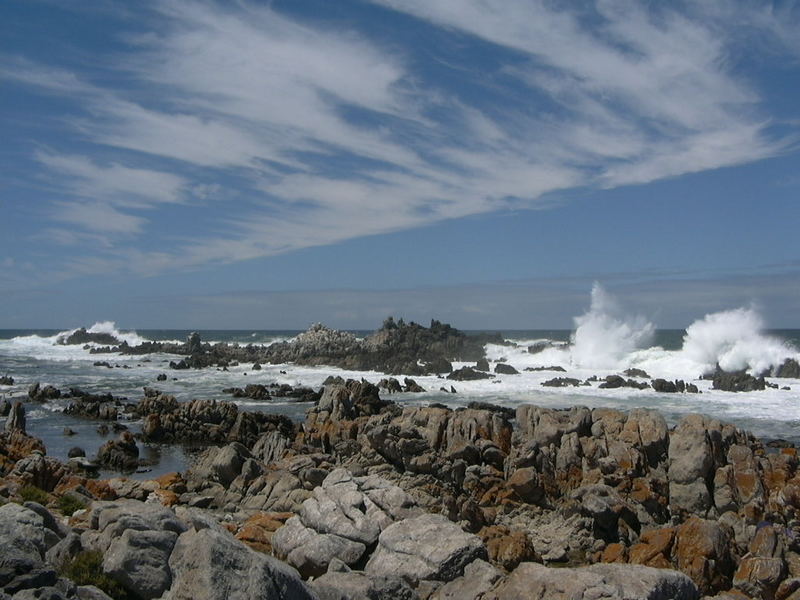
(269, 164)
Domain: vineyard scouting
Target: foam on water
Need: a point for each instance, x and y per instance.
(110, 327)
(734, 340)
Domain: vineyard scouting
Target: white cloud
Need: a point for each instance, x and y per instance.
(99, 217)
(114, 183)
(331, 135)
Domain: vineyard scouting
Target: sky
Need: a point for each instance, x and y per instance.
(266, 165)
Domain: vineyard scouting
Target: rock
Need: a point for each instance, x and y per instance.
(562, 382)
(139, 561)
(41, 471)
(6, 380)
(161, 377)
(546, 426)
(479, 577)
(662, 386)
(790, 368)
(258, 530)
(634, 372)
(505, 369)
(606, 508)
(482, 365)
(615, 381)
(209, 564)
(691, 462)
(16, 418)
(93, 406)
(65, 550)
(90, 592)
(76, 452)
(194, 344)
(81, 336)
(526, 485)
(654, 548)
(271, 447)
(425, 547)
(351, 585)
(412, 386)
(121, 454)
(556, 368)
(468, 374)
(310, 552)
(5, 408)
(344, 516)
(438, 365)
(507, 548)
(759, 576)
(532, 581)
(702, 551)
(22, 531)
(390, 385)
(738, 381)
(37, 393)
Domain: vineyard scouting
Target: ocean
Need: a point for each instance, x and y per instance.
(602, 343)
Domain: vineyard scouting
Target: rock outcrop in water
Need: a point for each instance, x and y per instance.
(396, 348)
(81, 336)
(208, 421)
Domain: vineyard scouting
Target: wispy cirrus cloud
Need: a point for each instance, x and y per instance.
(326, 133)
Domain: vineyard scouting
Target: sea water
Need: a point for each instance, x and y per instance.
(604, 341)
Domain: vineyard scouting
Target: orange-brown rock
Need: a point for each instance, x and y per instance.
(654, 548)
(15, 445)
(101, 489)
(614, 553)
(702, 551)
(759, 576)
(257, 531)
(230, 527)
(166, 497)
(172, 481)
(506, 547)
(69, 483)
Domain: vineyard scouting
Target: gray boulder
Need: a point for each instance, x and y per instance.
(344, 516)
(139, 561)
(425, 547)
(311, 552)
(210, 564)
(22, 530)
(352, 585)
(479, 577)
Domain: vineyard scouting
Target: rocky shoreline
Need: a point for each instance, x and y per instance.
(370, 499)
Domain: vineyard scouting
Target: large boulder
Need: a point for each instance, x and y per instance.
(546, 426)
(344, 517)
(121, 454)
(22, 530)
(691, 462)
(425, 547)
(139, 561)
(209, 564)
(702, 550)
(344, 584)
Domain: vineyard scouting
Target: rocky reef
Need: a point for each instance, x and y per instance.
(370, 499)
(396, 348)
